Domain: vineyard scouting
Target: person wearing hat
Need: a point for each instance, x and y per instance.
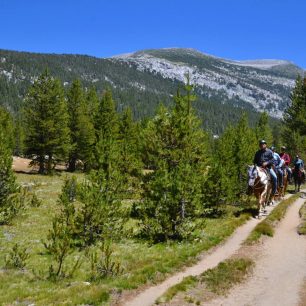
(286, 157)
(278, 165)
(299, 172)
(264, 158)
(298, 163)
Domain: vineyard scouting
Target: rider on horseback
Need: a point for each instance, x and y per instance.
(298, 164)
(277, 165)
(298, 172)
(264, 158)
(286, 157)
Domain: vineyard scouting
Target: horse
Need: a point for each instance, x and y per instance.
(285, 183)
(260, 185)
(282, 190)
(299, 177)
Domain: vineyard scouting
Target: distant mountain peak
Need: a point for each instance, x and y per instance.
(261, 83)
(255, 85)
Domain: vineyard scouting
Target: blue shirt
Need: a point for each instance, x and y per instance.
(298, 164)
(277, 161)
(263, 156)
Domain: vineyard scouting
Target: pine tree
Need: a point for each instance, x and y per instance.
(106, 125)
(81, 127)
(294, 122)
(19, 135)
(8, 185)
(100, 215)
(92, 100)
(46, 122)
(176, 151)
(129, 145)
(7, 127)
(263, 130)
(235, 150)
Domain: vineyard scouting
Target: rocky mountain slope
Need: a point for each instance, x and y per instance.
(265, 84)
(143, 79)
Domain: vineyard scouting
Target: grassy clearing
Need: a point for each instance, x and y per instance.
(302, 227)
(218, 280)
(142, 263)
(266, 227)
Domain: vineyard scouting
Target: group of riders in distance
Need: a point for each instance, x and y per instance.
(269, 176)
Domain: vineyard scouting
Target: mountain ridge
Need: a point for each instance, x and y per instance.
(144, 78)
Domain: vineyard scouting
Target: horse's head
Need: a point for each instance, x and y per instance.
(252, 176)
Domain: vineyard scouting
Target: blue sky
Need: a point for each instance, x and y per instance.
(235, 29)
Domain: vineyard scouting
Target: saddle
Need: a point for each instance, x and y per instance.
(267, 173)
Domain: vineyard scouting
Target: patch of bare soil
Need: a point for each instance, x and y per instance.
(21, 164)
(303, 294)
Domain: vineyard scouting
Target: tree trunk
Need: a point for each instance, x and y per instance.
(50, 156)
(41, 164)
(72, 164)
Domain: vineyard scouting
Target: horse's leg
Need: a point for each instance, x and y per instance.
(285, 185)
(263, 199)
(258, 204)
(299, 184)
(258, 196)
(269, 194)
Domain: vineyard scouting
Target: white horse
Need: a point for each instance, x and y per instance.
(260, 185)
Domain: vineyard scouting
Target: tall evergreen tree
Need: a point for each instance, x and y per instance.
(106, 125)
(46, 122)
(235, 150)
(294, 122)
(7, 179)
(92, 100)
(81, 127)
(19, 135)
(129, 146)
(176, 150)
(263, 130)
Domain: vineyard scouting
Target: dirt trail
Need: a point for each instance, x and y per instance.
(210, 260)
(280, 271)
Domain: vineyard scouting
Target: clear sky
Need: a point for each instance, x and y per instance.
(235, 29)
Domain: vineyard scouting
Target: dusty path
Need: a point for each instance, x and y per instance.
(21, 164)
(280, 271)
(149, 296)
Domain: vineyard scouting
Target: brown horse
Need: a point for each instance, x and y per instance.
(259, 184)
(282, 190)
(299, 177)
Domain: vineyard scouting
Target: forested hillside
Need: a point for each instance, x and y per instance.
(222, 87)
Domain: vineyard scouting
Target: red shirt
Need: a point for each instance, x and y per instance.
(286, 158)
